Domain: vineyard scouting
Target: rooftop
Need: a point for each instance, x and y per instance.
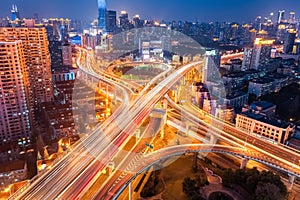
(268, 120)
(263, 104)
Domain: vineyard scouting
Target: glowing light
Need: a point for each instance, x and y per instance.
(260, 41)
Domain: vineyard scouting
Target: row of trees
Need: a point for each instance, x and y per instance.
(263, 185)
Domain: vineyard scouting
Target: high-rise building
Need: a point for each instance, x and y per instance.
(15, 13)
(280, 17)
(67, 54)
(124, 21)
(111, 21)
(102, 15)
(289, 41)
(259, 55)
(138, 23)
(14, 92)
(212, 65)
(37, 57)
(292, 18)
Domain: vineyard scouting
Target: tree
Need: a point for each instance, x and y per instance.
(267, 191)
(189, 186)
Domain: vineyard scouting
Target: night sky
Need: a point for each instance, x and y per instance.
(202, 10)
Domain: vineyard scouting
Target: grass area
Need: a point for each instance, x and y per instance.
(174, 174)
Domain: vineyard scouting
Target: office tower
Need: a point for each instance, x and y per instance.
(289, 41)
(102, 15)
(67, 54)
(14, 92)
(15, 13)
(261, 52)
(292, 18)
(280, 17)
(247, 59)
(138, 23)
(111, 21)
(124, 21)
(212, 66)
(37, 57)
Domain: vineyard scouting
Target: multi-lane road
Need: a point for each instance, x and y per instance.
(72, 175)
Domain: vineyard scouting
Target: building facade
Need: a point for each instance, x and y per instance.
(270, 129)
(37, 58)
(14, 92)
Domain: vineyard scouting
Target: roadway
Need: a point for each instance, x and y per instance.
(83, 162)
(283, 158)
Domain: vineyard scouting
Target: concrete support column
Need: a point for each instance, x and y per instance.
(165, 104)
(187, 128)
(137, 135)
(111, 167)
(212, 139)
(291, 182)
(244, 163)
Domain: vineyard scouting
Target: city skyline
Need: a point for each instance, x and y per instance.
(196, 10)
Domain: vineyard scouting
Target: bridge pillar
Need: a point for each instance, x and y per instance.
(244, 163)
(291, 182)
(130, 191)
(187, 128)
(165, 104)
(137, 134)
(212, 139)
(111, 167)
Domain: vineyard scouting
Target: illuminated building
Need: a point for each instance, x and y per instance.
(111, 21)
(138, 23)
(89, 41)
(280, 17)
(37, 57)
(225, 112)
(102, 15)
(15, 13)
(259, 56)
(212, 65)
(264, 127)
(14, 92)
(124, 21)
(289, 42)
(292, 18)
(261, 86)
(67, 54)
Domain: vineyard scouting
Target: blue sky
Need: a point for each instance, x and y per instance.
(203, 10)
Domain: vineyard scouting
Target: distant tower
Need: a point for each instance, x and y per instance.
(280, 17)
(102, 15)
(111, 21)
(292, 18)
(15, 13)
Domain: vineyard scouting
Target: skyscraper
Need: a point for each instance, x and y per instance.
(289, 41)
(111, 21)
(15, 13)
(280, 17)
(259, 56)
(37, 57)
(102, 15)
(14, 92)
(292, 18)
